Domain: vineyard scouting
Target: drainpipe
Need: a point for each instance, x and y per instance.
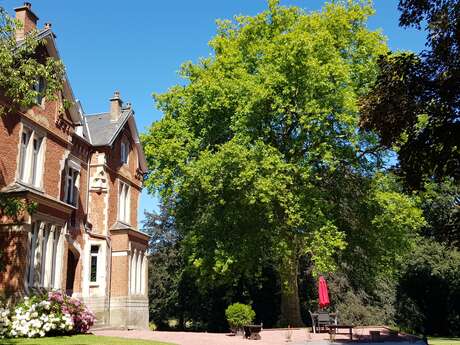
(109, 292)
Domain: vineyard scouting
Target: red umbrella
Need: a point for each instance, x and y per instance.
(323, 293)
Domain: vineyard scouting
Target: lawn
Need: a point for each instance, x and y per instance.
(443, 341)
(79, 340)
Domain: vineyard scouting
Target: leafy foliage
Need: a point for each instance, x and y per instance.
(441, 208)
(414, 106)
(13, 207)
(175, 295)
(22, 64)
(239, 315)
(165, 266)
(251, 149)
(429, 290)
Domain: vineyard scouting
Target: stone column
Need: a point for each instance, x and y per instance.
(49, 257)
(139, 272)
(145, 272)
(133, 272)
(58, 266)
(37, 274)
(32, 248)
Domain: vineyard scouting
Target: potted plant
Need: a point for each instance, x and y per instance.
(239, 315)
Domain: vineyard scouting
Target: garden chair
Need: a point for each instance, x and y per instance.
(323, 320)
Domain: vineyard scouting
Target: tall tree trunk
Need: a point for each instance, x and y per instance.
(290, 303)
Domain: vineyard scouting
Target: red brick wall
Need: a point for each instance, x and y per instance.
(9, 143)
(13, 261)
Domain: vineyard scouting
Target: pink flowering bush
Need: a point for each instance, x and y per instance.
(82, 317)
(51, 314)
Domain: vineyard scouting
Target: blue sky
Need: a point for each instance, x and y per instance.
(138, 46)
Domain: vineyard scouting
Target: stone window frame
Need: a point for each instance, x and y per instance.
(45, 253)
(138, 275)
(124, 202)
(73, 165)
(94, 255)
(100, 265)
(31, 167)
(40, 87)
(125, 148)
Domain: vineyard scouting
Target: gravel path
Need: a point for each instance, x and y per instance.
(269, 337)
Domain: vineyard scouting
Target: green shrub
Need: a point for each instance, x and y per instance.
(239, 314)
(152, 326)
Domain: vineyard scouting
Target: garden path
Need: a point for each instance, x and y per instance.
(269, 337)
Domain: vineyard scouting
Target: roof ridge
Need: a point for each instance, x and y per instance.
(96, 114)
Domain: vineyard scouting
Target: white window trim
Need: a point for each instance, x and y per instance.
(29, 173)
(45, 255)
(40, 99)
(124, 202)
(124, 151)
(75, 181)
(98, 264)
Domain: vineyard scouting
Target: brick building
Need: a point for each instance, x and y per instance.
(84, 173)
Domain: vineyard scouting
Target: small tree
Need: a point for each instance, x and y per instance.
(239, 315)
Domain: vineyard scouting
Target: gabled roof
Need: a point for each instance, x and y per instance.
(98, 129)
(48, 35)
(102, 131)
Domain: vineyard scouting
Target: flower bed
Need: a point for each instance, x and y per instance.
(51, 314)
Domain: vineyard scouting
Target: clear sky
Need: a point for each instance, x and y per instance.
(137, 46)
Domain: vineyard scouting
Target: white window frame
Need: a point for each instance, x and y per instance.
(73, 181)
(124, 202)
(31, 157)
(45, 255)
(98, 264)
(124, 148)
(40, 86)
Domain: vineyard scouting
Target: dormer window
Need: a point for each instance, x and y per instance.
(39, 87)
(124, 151)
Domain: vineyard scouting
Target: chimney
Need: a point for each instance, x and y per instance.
(27, 18)
(115, 106)
(48, 26)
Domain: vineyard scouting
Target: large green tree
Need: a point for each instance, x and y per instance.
(248, 149)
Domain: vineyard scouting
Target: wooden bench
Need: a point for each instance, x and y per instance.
(333, 329)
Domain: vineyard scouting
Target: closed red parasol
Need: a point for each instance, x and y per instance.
(323, 293)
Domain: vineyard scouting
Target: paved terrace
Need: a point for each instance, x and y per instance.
(269, 337)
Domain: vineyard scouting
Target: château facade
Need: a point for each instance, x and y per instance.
(84, 173)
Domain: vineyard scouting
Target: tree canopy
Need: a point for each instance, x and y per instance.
(415, 103)
(250, 150)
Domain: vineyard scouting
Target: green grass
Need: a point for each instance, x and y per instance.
(443, 341)
(79, 340)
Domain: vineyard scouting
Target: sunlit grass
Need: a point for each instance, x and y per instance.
(79, 340)
(443, 341)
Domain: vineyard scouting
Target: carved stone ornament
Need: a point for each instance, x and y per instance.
(99, 178)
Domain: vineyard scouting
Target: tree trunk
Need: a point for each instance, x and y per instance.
(290, 303)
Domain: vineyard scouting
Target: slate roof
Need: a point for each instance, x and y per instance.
(102, 129)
